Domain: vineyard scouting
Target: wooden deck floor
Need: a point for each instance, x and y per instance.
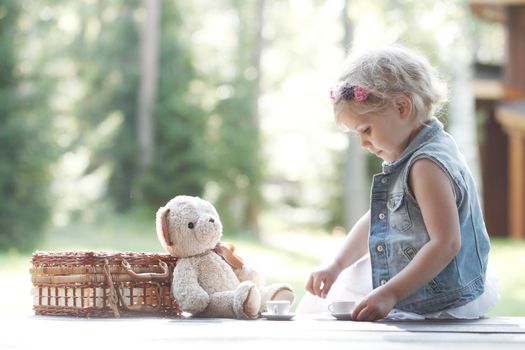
(25, 331)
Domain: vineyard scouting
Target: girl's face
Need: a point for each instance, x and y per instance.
(385, 133)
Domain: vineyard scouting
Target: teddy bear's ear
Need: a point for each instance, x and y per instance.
(163, 217)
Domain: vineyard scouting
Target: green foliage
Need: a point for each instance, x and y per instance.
(181, 160)
(335, 190)
(238, 166)
(335, 194)
(25, 150)
(24, 179)
(237, 162)
(206, 133)
(107, 65)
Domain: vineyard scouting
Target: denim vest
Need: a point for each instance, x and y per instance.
(397, 230)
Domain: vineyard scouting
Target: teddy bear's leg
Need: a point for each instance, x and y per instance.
(191, 298)
(247, 300)
(277, 291)
(243, 302)
(220, 305)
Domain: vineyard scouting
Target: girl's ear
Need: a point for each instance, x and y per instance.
(403, 104)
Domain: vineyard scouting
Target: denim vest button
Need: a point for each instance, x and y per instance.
(380, 248)
(381, 216)
(383, 282)
(384, 180)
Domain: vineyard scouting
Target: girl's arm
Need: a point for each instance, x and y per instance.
(434, 194)
(354, 247)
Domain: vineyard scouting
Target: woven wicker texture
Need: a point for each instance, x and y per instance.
(102, 284)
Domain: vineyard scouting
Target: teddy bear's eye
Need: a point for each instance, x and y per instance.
(191, 225)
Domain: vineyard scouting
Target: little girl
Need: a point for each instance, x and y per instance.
(421, 250)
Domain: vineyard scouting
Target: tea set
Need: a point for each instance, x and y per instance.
(279, 310)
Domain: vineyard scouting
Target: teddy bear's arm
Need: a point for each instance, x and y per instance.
(246, 273)
(186, 290)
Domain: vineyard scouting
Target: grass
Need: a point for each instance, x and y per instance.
(508, 257)
(280, 256)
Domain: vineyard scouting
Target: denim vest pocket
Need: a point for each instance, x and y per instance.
(410, 252)
(399, 218)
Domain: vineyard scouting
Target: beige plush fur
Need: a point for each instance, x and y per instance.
(189, 228)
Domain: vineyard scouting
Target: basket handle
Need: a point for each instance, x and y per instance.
(147, 276)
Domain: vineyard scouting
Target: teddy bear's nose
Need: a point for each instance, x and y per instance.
(212, 220)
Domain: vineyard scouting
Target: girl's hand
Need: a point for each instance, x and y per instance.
(321, 280)
(376, 305)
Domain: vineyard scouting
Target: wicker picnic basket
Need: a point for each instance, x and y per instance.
(102, 284)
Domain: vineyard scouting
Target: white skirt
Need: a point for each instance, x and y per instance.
(355, 282)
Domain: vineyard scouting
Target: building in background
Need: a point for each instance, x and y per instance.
(500, 97)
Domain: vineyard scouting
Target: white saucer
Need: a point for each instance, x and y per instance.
(283, 317)
(343, 317)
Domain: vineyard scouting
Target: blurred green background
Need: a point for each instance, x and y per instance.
(109, 109)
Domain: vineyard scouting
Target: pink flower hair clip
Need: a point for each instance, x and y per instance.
(342, 91)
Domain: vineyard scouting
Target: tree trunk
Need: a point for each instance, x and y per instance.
(462, 116)
(149, 65)
(252, 210)
(355, 166)
(256, 60)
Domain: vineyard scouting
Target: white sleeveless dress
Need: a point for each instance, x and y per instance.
(355, 282)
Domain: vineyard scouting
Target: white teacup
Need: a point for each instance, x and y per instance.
(341, 307)
(278, 307)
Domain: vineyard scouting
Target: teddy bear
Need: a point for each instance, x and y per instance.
(209, 279)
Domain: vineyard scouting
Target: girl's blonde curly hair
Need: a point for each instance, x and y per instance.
(388, 72)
